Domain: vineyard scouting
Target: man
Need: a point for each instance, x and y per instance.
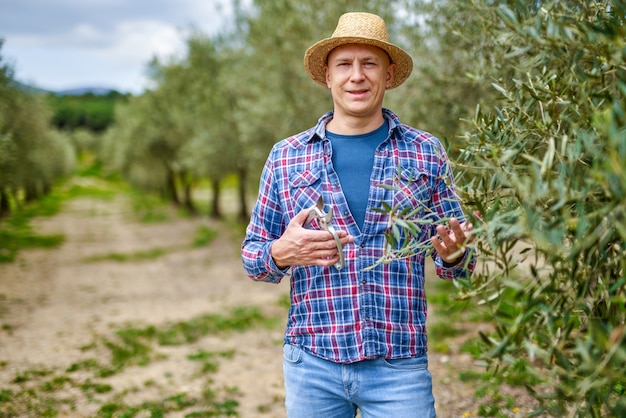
(356, 334)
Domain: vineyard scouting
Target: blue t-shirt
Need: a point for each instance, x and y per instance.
(353, 159)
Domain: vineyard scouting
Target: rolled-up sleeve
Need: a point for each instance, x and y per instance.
(462, 269)
(447, 204)
(266, 225)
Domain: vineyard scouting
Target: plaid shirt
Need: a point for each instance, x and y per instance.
(358, 312)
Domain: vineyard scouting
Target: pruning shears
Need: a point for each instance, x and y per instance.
(324, 220)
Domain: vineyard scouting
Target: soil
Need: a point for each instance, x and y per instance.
(56, 303)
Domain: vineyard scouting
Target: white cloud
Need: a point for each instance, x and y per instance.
(68, 43)
(148, 38)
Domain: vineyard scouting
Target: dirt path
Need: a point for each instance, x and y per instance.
(55, 303)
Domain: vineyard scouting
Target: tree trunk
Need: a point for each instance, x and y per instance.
(188, 199)
(243, 205)
(46, 188)
(215, 203)
(5, 205)
(30, 192)
(170, 188)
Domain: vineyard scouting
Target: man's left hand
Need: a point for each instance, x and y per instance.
(450, 243)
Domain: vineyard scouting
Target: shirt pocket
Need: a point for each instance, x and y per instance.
(412, 193)
(305, 188)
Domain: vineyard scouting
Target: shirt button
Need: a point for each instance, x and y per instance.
(364, 281)
(346, 213)
(362, 245)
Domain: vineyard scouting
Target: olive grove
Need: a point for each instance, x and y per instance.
(528, 96)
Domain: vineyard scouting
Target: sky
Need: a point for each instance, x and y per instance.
(64, 44)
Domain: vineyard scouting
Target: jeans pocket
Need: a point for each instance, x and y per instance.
(412, 363)
(292, 354)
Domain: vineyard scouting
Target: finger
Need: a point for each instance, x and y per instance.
(300, 217)
(316, 235)
(346, 240)
(329, 254)
(327, 262)
(344, 237)
(468, 227)
(447, 239)
(458, 231)
(315, 251)
(438, 246)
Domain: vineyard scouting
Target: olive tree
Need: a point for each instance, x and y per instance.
(32, 155)
(545, 165)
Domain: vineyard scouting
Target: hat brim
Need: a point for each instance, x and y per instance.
(315, 57)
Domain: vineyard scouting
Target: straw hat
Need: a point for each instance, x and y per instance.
(357, 28)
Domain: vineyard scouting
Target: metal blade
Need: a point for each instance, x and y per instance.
(320, 203)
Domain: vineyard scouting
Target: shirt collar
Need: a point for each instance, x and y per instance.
(319, 130)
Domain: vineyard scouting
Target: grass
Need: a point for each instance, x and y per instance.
(148, 208)
(207, 359)
(53, 392)
(45, 392)
(135, 256)
(16, 232)
(133, 346)
(202, 237)
(453, 314)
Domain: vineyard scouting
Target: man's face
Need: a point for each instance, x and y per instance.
(358, 76)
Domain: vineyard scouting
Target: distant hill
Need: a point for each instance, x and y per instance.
(78, 91)
(28, 88)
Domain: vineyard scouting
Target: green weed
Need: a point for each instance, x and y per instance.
(27, 403)
(179, 402)
(284, 301)
(54, 384)
(91, 365)
(5, 395)
(240, 319)
(443, 329)
(30, 375)
(17, 234)
(132, 348)
(41, 389)
(134, 345)
(149, 208)
(90, 387)
(136, 256)
(204, 236)
(99, 190)
(473, 346)
(206, 358)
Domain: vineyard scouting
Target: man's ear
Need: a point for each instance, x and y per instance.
(327, 74)
(391, 73)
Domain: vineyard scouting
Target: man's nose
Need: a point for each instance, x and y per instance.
(357, 73)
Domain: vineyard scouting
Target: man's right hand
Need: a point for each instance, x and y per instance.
(299, 246)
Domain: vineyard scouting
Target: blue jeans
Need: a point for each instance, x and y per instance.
(379, 388)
